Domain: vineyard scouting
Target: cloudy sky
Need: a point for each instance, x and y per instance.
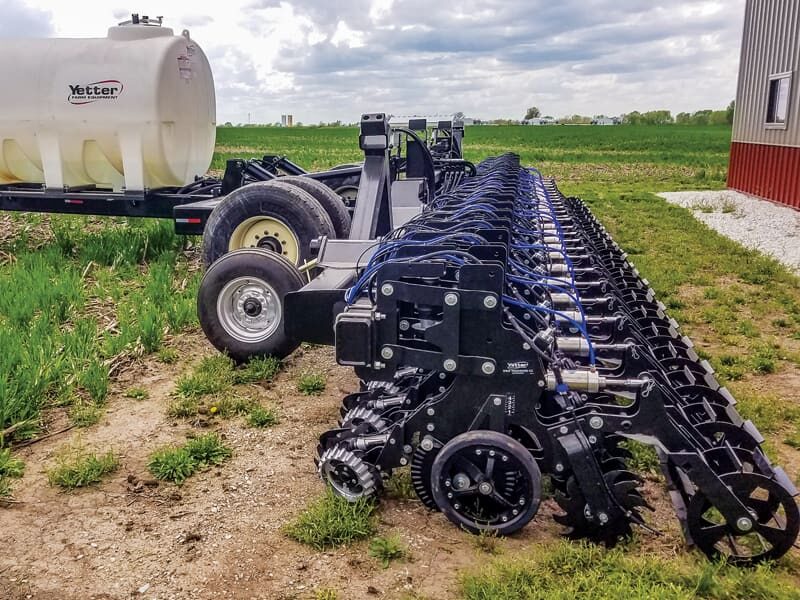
(328, 59)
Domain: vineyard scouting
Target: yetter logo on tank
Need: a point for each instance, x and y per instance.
(86, 93)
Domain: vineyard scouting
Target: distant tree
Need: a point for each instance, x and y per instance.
(683, 118)
(729, 112)
(718, 117)
(228, 124)
(657, 117)
(533, 113)
(634, 118)
(701, 117)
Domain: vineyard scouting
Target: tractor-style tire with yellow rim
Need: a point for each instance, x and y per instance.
(275, 216)
(240, 303)
(332, 202)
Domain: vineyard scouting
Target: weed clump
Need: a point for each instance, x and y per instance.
(400, 486)
(331, 521)
(10, 468)
(387, 549)
(178, 463)
(311, 384)
(261, 416)
(137, 393)
(212, 375)
(258, 369)
(77, 467)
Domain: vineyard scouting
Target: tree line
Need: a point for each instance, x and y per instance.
(650, 117)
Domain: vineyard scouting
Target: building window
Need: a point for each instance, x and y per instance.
(778, 100)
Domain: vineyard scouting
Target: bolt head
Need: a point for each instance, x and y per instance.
(744, 524)
(404, 325)
(407, 449)
(403, 460)
(451, 299)
(497, 401)
(430, 427)
(387, 352)
(489, 301)
(387, 289)
(427, 444)
(559, 467)
(449, 365)
(487, 367)
(596, 423)
(602, 517)
(563, 430)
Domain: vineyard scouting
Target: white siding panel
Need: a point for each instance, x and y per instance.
(770, 44)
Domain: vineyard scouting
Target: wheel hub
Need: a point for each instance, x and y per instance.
(268, 233)
(249, 309)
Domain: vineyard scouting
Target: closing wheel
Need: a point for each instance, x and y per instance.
(328, 199)
(486, 481)
(275, 216)
(240, 303)
(768, 533)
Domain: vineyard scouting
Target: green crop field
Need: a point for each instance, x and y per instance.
(82, 299)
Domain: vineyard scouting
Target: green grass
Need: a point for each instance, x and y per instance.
(214, 387)
(399, 486)
(178, 463)
(567, 570)
(77, 467)
(387, 549)
(10, 468)
(93, 290)
(137, 393)
(311, 384)
(262, 416)
(213, 374)
(331, 521)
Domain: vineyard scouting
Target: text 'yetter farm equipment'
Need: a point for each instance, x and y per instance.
(501, 335)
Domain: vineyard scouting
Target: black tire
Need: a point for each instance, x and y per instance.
(218, 317)
(293, 207)
(527, 486)
(330, 201)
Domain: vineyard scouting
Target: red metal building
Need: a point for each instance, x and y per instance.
(765, 151)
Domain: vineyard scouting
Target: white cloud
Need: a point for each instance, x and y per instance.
(323, 60)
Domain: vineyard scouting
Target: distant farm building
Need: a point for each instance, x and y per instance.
(540, 121)
(605, 121)
(765, 150)
(287, 120)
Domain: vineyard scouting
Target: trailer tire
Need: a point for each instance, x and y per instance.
(330, 201)
(240, 303)
(289, 216)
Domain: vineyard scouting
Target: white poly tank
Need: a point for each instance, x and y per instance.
(135, 110)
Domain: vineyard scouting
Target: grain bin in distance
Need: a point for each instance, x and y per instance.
(134, 110)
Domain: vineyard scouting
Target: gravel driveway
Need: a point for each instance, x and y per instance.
(770, 228)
